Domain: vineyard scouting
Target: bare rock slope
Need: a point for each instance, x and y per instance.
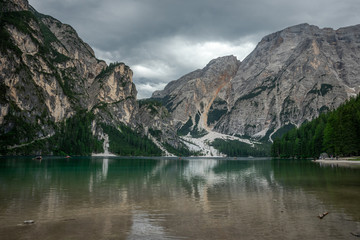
(48, 75)
(292, 76)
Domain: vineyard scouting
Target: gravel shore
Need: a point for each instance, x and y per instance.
(348, 162)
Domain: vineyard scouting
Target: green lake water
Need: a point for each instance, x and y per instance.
(191, 198)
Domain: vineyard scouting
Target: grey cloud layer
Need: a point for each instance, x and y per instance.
(145, 32)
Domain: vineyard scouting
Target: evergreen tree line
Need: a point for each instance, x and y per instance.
(126, 142)
(337, 133)
(234, 148)
(75, 136)
(181, 151)
(72, 137)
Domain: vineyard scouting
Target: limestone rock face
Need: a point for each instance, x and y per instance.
(156, 122)
(117, 93)
(292, 76)
(14, 5)
(48, 74)
(193, 95)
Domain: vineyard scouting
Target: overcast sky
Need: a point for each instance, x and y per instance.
(162, 40)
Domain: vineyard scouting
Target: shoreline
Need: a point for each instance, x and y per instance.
(346, 162)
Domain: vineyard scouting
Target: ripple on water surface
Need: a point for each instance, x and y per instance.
(192, 198)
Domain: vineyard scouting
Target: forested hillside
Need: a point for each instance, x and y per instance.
(336, 133)
(234, 148)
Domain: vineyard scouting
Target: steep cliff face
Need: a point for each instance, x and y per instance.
(14, 5)
(48, 75)
(55, 95)
(155, 121)
(290, 77)
(195, 98)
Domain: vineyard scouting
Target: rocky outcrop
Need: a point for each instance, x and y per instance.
(48, 74)
(14, 5)
(51, 84)
(155, 121)
(292, 76)
(113, 94)
(197, 95)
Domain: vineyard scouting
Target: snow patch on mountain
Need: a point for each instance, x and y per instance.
(203, 144)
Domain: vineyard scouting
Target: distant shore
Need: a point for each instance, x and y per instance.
(349, 161)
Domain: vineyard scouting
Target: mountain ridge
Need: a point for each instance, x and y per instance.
(58, 98)
(290, 77)
(50, 81)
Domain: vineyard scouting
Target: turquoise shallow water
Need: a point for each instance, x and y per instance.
(169, 198)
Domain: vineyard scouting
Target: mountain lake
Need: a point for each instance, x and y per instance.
(177, 198)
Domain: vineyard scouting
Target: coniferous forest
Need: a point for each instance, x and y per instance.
(336, 133)
(234, 148)
(125, 142)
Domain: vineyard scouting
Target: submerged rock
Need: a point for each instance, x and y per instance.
(29, 222)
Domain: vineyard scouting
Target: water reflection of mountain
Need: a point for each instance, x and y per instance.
(65, 195)
(223, 194)
(191, 198)
(335, 186)
(89, 178)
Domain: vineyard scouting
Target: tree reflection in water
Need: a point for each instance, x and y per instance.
(159, 198)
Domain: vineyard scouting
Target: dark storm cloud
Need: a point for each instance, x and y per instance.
(164, 39)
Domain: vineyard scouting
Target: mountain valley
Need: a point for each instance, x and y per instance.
(57, 98)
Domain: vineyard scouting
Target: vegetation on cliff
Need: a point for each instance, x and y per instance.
(71, 137)
(74, 137)
(126, 142)
(42, 76)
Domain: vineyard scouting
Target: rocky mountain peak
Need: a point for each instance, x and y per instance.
(291, 76)
(49, 75)
(14, 5)
(220, 62)
(195, 96)
(53, 86)
(220, 65)
(292, 32)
